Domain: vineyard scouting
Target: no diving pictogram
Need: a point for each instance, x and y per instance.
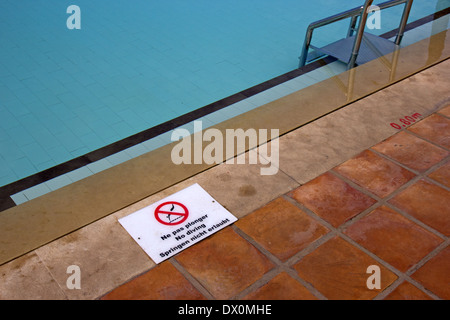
(171, 213)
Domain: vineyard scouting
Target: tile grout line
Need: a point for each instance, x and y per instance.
(441, 114)
(191, 279)
(280, 265)
(339, 232)
(268, 275)
(419, 176)
(367, 191)
(279, 167)
(432, 181)
(418, 222)
(294, 274)
(385, 201)
(401, 274)
(136, 276)
(427, 140)
(392, 287)
(296, 258)
(51, 274)
(386, 157)
(442, 246)
(266, 278)
(422, 174)
(378, 201)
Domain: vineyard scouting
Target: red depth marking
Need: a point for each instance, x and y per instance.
(406, 121)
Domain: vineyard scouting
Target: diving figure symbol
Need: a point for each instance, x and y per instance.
(171, 213)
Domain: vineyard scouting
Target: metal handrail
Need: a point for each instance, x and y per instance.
(354, 13)
(359, 35)
(403, 22)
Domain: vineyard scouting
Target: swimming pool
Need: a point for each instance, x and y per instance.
(65, 93)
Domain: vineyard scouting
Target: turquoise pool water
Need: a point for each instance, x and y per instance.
(136, 64)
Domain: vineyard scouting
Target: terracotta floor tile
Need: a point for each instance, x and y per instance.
(442, 175)
(163, 282)
(282, 228)
(407, 291)
(332, 199)
(282, 287)
(378, 175)
(434, 275)
(428, 203)
(434, 128)
(338, 270)
(225, 263)
(392, 237)
(411, 151)
(445, 111)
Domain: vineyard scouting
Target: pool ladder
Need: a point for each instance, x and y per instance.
(358, 48)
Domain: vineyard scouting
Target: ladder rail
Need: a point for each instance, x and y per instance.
(359, 35)
(354, 14)
(403, 22)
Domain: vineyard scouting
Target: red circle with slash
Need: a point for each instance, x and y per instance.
(173, 214)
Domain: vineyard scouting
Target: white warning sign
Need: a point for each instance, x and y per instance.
(175, 223)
